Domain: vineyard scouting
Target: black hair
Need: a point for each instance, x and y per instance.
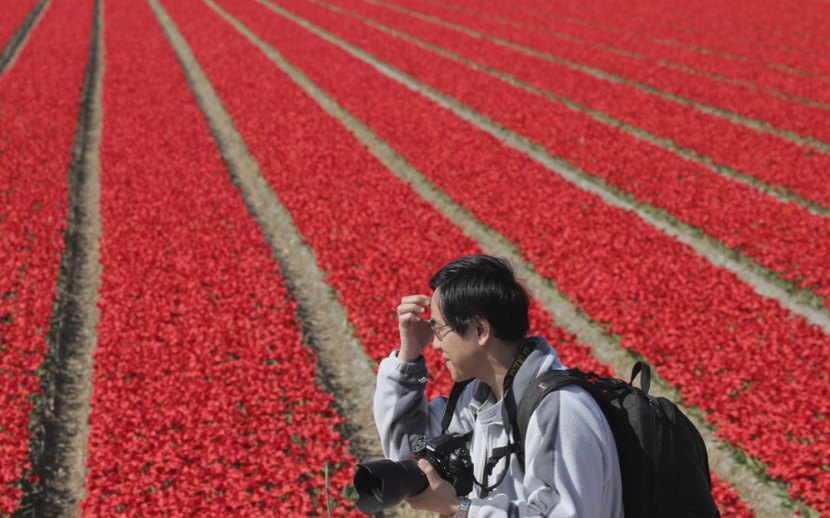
(485, 287)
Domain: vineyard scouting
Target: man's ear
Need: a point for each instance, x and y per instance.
(484, 331)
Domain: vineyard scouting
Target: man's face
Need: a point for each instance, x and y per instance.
(459, 351)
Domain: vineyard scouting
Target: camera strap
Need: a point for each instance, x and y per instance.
(521, 355)
(455, 393)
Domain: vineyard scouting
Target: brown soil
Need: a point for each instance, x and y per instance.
(60, 429)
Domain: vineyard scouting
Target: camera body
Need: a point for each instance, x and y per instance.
(450, 457)
(382, 484)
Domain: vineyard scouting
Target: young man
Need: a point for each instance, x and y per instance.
(478, 321)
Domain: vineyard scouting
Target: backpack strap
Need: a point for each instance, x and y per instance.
(645, 379)
(543, 385)
(452, 402)
(553, 380)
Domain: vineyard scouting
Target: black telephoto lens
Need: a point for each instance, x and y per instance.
(382, 484)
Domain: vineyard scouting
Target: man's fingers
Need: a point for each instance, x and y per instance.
(413, 304)
(420, 300)
(414, 330)
(409, 318)
(410, 309)
(429, 471)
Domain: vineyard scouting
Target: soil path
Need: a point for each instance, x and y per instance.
(60, 431)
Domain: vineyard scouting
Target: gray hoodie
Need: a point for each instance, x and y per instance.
(571, 468)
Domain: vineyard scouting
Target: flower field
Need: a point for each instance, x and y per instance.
(39, 109)
(659, 168)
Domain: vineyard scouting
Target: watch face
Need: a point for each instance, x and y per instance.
(463, 507)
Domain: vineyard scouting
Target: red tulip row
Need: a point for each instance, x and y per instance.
(733, 32)
(767, 158)
(655, 52)
(13, 15)
(802, 119)
(377, 239)
(797, 29)
(769, 33)
(790, 26)
(39, 106)
(204, 397)
(708, 333)
(782, 237)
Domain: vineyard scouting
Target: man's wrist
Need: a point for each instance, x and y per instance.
(407, 357)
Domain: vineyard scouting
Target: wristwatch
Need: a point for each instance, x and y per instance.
(463, 508)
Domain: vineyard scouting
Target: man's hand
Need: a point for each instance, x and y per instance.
(439, 497)
(415, 331)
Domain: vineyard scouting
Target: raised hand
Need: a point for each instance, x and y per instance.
(415, 331)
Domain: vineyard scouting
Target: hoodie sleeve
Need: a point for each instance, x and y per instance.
(571, 464)
(402, 412)
(400, 407)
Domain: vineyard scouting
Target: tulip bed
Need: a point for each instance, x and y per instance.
(13, 15)
(204, 396)
(767, 158)
(39, 104)
(622, 272)
(742, 41)
(736, 33)
(734, 29)
(351, 218)
(637, 44)
(782, 237)
(205, 401)
(803, 119)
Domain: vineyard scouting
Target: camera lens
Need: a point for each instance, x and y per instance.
(382, 484)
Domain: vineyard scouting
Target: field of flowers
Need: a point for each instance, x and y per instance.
(39, 106)
(638, 159)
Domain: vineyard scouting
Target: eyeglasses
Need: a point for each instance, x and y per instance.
(436, 330)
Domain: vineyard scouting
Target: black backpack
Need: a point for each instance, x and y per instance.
(663, 460)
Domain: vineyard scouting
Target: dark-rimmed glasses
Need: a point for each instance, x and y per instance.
(436, 330)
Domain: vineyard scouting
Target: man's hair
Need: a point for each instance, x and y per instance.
(480, 286)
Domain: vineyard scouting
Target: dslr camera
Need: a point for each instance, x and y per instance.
(382, 484)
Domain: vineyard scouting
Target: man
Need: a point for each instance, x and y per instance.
(478, 322)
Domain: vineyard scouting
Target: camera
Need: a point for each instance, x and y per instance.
(382, 484)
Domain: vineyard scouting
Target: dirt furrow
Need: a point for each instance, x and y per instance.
(59, 437)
